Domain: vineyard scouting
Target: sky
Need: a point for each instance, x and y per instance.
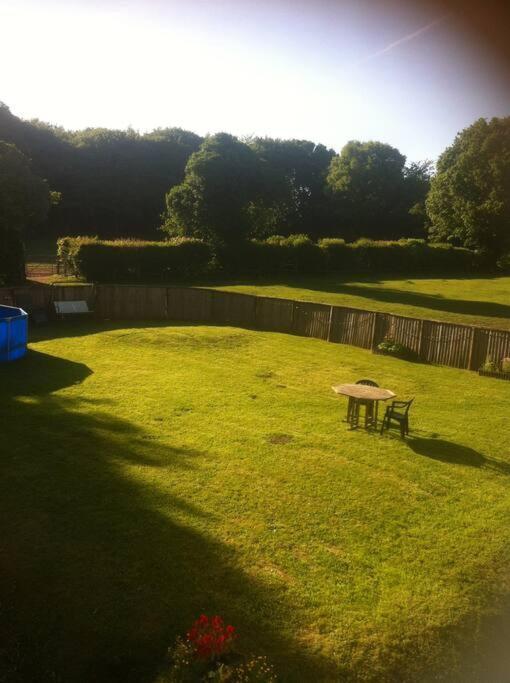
(323, 70)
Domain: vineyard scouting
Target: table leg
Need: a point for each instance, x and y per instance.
(350, 405)
(369, 413)
(354, 418)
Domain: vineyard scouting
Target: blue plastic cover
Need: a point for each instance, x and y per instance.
(13, 333)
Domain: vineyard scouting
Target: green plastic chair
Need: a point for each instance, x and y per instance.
(398, 411)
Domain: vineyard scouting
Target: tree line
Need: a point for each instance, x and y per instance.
(113, 183)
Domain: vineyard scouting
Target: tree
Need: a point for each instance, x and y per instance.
(374, 191)
(212, 203)
(112, 182)
(24, 201)
(469, 198)
(24, 197)
(292, 198)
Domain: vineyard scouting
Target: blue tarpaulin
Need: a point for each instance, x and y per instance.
(13, 333)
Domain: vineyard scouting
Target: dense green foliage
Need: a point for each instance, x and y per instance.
(469, 200)
(212, 203)
(375, 194)
(151, 473)
(234, 190)
(293, 196)
(115, 183)
(24, 202)
(133, 260)
(298, 254)
(112, 182)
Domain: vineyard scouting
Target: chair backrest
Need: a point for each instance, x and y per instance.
(402, 406)
(367, 382)
(64, 307)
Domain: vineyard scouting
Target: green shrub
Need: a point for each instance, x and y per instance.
(490, 366)
(337, 254)
(293, 254)
(503, 263)
(505, 365)
(133, 260)
(67, 247)
(386, 256)
(390, 347)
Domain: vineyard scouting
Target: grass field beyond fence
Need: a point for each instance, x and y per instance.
(483, 301)
(151, 473)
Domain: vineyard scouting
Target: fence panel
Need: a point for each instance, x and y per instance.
(407, 331)
(352, 326)
(311, 320)
(131, 302)
(71, 293)
(274, 314)
(230, 308)
(189, 305)
(498, 345)
(446, 344)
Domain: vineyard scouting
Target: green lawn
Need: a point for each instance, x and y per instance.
(151, 473)
(481, 301)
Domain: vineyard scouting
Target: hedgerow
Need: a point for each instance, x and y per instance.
(138, 261)
(133, 260)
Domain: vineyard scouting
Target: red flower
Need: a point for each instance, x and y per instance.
(210, 637)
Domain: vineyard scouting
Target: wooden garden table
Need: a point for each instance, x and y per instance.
(362, 394)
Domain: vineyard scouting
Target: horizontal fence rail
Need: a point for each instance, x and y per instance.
(459, 346)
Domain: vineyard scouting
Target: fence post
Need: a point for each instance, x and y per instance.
(97, 301)
(373, 335)
(471, 349)
(330, 322)
(293, 317)
(420, 339)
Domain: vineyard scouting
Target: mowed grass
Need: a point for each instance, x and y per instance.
(483, 301)
(151, 473)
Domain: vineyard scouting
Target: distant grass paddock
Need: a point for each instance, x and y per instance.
(482, 301)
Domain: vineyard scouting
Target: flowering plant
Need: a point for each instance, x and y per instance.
(210, 637)
(207, 654)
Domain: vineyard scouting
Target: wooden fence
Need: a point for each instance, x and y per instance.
(41, 296)
(459, 346)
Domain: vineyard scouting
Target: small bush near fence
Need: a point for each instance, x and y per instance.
(390, 347)
(131, 260)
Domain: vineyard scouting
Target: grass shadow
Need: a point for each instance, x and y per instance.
(98, 571)
(40, 373)
(455, 454)
(436, 302)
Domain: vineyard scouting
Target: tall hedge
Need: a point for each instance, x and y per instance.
(298, 254)
(137, 261)
(133, 260)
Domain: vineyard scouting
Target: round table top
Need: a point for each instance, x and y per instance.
(363, 391)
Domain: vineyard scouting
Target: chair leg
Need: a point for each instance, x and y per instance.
(368, 415)
(402, 428)
(383, 424)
